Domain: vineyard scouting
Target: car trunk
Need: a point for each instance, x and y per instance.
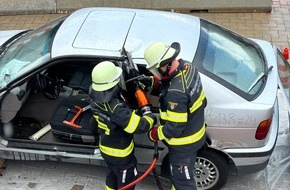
(235, 122)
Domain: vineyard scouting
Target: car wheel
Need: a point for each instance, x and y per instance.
(211, 170)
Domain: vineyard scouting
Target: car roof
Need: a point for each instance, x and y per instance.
(106, 31)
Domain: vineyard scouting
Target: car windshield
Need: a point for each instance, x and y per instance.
(230, 59)
(27, 52)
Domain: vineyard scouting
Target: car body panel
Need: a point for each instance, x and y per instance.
(123, 34)
(247, 158)
(84, 34)
(120, 20)
(232, 123)
(229, 113)
(163, 30)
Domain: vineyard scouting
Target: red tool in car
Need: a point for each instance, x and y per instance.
(78, 113)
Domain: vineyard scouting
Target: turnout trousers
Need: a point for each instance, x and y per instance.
(182, 169)
(120, 175)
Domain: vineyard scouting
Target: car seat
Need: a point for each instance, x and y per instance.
(73, 121)
(81, 80)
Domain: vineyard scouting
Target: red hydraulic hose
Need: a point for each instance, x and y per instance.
(152, 166)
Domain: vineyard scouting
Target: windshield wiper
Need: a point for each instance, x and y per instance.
(261, 77)
(4, 46)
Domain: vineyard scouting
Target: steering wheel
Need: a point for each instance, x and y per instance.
(49, 85)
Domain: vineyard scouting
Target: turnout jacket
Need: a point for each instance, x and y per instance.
(182, 103)
(116, 125)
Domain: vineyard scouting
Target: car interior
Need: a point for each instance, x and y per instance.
(52, 106)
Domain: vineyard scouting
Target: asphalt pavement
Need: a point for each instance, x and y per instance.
(273, 26)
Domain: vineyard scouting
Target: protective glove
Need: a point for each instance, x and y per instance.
(146, 82)
(152, 134)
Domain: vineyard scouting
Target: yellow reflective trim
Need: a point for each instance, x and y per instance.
(102, 125)
(173, 116)
(178, 74)
(160, 133)
(176, 116)
(172, 187)
(198, 102)
(117, 152)
(163, 115)
(133, 123)
(187, 140)
(108, 188)
(150, 120)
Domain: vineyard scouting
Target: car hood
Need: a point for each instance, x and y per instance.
(5, 35)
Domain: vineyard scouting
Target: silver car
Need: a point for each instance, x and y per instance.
(45, 80)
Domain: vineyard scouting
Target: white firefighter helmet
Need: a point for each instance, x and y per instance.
(159, 54)
(105, 75)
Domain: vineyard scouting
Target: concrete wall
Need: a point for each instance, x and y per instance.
(179, 5)
(63, 6)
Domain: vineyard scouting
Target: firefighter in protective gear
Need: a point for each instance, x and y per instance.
(116, 125)
(182, 103)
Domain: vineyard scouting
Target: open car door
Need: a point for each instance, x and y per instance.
(284, 73)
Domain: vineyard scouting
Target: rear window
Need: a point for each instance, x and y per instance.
(232, 60)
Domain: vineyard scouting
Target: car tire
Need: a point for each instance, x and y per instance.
(211, 170)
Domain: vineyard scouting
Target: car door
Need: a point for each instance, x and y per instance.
(12, 102)
(284, 73)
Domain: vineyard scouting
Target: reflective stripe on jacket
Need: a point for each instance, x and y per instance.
(182, 103)
(116, 124)
(117, 152)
